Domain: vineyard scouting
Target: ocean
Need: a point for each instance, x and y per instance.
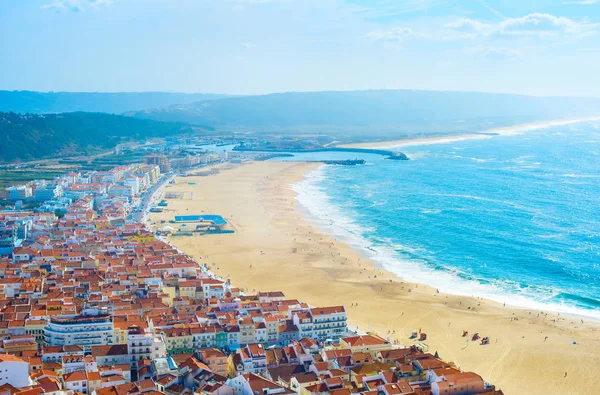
(514, 219)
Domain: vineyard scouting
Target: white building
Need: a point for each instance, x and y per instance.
(47, 192)
(76, 381)
(142, 345)
(20, 192)
(84, 330)
(329, 322)
(14, 371)
(321, 323)
(134, 183)
(111, 354)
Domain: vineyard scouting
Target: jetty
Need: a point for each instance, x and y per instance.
(343, 162)
(395, 155)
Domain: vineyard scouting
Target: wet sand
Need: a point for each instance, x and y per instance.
(275, 247)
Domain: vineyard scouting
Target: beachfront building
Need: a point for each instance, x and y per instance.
(322, 323)
(446, 381)
(83, 330)
(329, 323)
(369, 343)
(269, 297)
(161, 161)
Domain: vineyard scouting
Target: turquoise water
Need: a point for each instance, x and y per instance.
(512, 218)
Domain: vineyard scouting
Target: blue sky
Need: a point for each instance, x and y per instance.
(549, 47)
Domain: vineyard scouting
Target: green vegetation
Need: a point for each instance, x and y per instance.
(32, 137)
(104, 162)
(22, 176)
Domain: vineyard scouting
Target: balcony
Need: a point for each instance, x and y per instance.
(76, 330)
(318, 322)
(328, 327)
(146, 351)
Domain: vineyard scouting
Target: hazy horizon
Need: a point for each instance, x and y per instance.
(300, 91)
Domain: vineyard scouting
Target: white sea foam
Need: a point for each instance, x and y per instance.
(580, 175)
(489, 133)
(418, 155)
(519, 129)
(333, 220)
(434, 140)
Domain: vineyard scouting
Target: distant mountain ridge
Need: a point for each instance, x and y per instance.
(369, 108)
(25, 137)
(113, 103)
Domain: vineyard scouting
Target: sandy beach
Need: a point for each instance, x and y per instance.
(419, 141)
(275, 247)
(485, 134)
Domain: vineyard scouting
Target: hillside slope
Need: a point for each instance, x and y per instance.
(31, 137)
(370, 108)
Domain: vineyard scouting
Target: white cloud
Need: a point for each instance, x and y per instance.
(74, 5)
(469, 28)
(583, 2)
(536, 25)
(394, 34)
(545, 25)
(531, 25)
(63, 5)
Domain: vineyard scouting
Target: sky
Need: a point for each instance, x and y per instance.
(537, 47)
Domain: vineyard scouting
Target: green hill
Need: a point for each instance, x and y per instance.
(25, 137)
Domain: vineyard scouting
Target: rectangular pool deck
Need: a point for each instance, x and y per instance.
(215, 219)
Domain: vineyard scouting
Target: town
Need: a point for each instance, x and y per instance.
(94, 302)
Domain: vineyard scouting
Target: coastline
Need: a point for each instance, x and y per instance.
(321, 211)
(276, 247)
(486, 134)
(443, 139)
